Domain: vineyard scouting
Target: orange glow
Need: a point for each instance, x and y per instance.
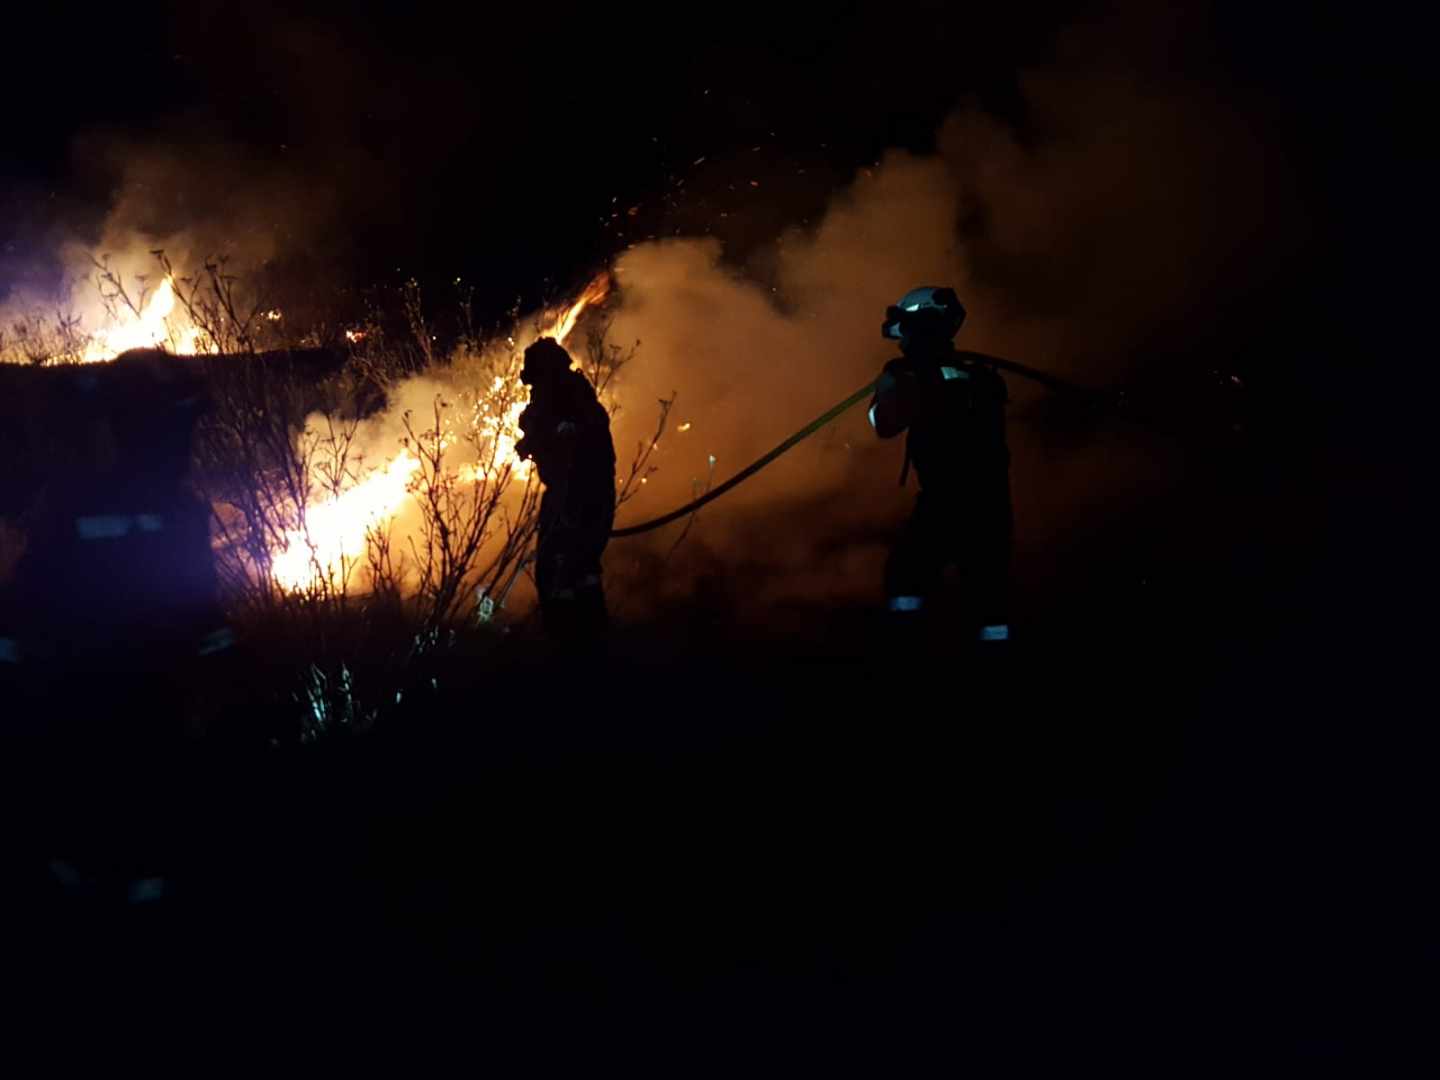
(594, 293)
(156, 326)
(338, 527)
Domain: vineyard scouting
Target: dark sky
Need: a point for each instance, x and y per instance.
(443, 139)
(497, 141)
(520, 144)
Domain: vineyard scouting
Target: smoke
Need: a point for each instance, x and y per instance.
(1123, 223)
(1110, 236)
(292, 149)
(209, 202)
(751, 363)
(1108, 231)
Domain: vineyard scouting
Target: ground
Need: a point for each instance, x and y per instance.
(1108, 846)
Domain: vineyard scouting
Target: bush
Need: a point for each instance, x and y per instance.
(304, 418)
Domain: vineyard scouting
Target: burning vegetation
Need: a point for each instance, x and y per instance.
(445, 500)
(363, 461)
(366, 500)
(376, 474)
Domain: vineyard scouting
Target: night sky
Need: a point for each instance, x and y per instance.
(523, 148)
(498, 144)
(1213, 202)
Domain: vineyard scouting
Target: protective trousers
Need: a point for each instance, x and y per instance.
(967, 526)
(574, 528)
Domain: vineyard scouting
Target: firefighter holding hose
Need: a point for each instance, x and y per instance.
(952, 404)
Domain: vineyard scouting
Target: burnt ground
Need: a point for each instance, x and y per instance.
(1155, 835)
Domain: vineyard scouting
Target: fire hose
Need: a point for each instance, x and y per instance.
(488, 602)
(814, 426)
(751, 469)
(487, 599)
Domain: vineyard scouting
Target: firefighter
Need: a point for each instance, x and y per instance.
(952, 404)
(567, 434)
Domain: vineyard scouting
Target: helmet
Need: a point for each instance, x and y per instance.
(544, 359)
(927, 312)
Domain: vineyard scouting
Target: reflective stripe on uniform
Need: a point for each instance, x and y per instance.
(217, 641)
(146, 890)
(114, 526)
(954, 373)
(103, 526)
(906, 603)
(999, 632)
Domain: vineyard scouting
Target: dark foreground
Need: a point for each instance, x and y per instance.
(1144, 838)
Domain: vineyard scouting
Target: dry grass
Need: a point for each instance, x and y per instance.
(280, 442)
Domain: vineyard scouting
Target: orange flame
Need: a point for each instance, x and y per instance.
(152, 327)
(594, 293)
(338, 528)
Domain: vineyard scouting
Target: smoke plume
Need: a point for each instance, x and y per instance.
(1101, 241)
(1124, 222)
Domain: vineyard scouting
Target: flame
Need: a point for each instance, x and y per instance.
(151, 328)
(594, 293)
(338, 528)
(504, 426)
(498, 420)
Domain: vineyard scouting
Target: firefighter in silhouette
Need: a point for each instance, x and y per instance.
(567, 434)
(952, 404)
